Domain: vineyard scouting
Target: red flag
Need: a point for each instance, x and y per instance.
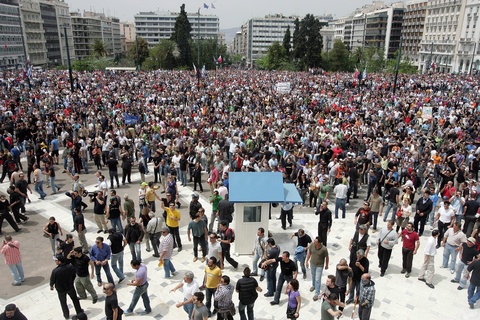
(220, 60)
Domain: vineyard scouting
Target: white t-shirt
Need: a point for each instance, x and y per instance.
(189, 289)
(446, 215)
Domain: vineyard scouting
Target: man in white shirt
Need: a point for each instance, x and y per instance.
(340, 191)
(215, 249)
(428, 268)
(190, 286)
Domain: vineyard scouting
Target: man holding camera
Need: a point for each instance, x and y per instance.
(114, 211)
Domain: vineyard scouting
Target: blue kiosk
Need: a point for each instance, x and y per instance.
(253, 193)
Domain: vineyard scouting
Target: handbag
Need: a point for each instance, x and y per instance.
(46, 235)
(399, 213)
(267, 266)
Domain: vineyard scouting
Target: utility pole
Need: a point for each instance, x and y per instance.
(398, 66)
(473, 57)
(328, 60)
(136, 54)
(198, 38)
(431, 57)
(68, 58)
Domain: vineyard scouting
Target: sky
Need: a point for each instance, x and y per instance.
(232, 13)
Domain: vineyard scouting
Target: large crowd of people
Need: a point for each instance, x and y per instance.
(331, 135)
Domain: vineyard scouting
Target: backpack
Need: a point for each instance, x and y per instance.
(232, 234)
(141, 167)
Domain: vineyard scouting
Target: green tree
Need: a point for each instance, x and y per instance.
(161, 56)
(99, 48)
(287, 38)
(339, 57)
(274, 59)
(298, 41)
(207, 51)
(181, 36)
(406, 66)
(143, 51)
(307, 43)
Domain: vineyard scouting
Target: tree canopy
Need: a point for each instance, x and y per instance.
(182, 36)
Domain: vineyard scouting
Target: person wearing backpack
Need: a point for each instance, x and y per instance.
(227, 237)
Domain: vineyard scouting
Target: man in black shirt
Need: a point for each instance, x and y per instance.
(82, 282)
(62, 279)
(273, 251)
(112, 164)
(468, 252)
(303, 241)
(424, 207)
(470, 209)
(21, 186)
(288, 271)
(117, 243)
(112, 310)
(126, 166)
(247, 288)
(5, 214)
(324, 223)
(79, 225)
(16, 205)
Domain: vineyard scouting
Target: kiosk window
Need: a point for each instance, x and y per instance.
(252, 214)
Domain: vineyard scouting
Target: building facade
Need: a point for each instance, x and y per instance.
(413, 27)
(91, 27)
(12, 48)
(34, 33)
(442, 32)
(155, 26)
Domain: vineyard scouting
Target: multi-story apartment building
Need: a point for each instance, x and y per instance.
(12, 49)
(260, 33)
(442, 37)
(155, 26)
(56, 20)
(383, 29)
(412, 29)
(92, 26)
(127, 30)
(467, 59)
(34, 34)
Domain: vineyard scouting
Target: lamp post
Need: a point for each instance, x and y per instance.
(136, 54)
(328, 60)
(473, 57)
(68, 57)
(398, 66)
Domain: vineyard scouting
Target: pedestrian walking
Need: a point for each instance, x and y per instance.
(140, 282)
(189, 286)
(247, 288)
(112, 309)
(52, 230)
(82, 280)
(11, 252)
(166, 251)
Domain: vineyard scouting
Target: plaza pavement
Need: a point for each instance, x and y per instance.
(396, 296)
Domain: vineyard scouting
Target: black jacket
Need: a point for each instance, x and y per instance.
(62, 277)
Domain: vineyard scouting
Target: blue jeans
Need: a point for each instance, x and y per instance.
(256, 257)
(316, 278)
(188, 308)
(340, 203)
(183, 177)
(106, 268)
(136, 251)
(473, 293)
(271, 280)
(301, 257)
(241, 311)
(39, 189)
(168, 267)
(449, 251)
(390, 205)
(85, 165)
(116, 223)
(54, 185)
(140, 291)
(17, 272)
(460, 274)
(116, 259)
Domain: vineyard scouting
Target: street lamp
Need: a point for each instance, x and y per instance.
(68, 57)
(398, 66)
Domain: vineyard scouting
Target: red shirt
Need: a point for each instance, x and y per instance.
(12, 254)
(409, 239)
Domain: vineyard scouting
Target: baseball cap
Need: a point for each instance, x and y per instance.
(10, 307)
(144, 184)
